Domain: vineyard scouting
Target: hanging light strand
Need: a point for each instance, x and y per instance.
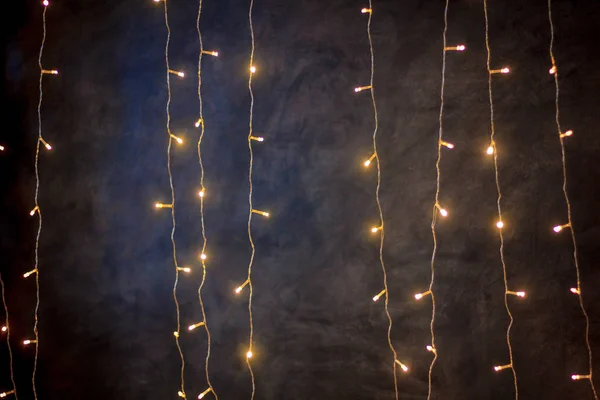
(577, 291)
(200, 124)
(499, 224)
(250, 204)
(6, 329)
(395, 361)
(172, 205)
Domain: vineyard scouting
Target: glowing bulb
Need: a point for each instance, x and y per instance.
(198, 123)
(257, 138)
(203, 256)
(187, 270)
(500, 224)
(28, 274)
(28, 342)
(366, 10)
(376, 228)
(49, 72)
(419, 296)
(163, 205)
(443, 211)
(211, 53)
(368, 162)
(518, 294)
(578, 377)
(46, 145)
(7, 393)
(378, 295)
(490, 150)
(253, 69)
(242, 286)
(552, 70)
(201, 395)
(501, 367)
(202, 193)
(404, 367)
(46, 3)
(446, 144)
(559, 228)
(249, 354)
(461, 47)
(431, 349)
(178, 73)
(575, 291)
(1, 148)
(176, 138)
(194, 326)
(35, 209)
(361, 88)
(505, 70)
(263, 213)
(156, 1)
(176, 334)
(180, 393)
(4, 328)
(566, 134)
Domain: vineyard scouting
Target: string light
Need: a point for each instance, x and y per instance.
(431, 349)
(518, 294)
(443, 211)
(578, 377)
(559, 228)
(257, 138)
(460, 47)
(176, 138)
(491, 149)
(207, 391)
(180, 393)
(361, 88)
(446, 144)
(202, 193)
(552, 70)
(210, 53)
(378, 295)
(1, 148)
(194, 326)
(369, 11)
(187, 270)
(34, 210)
(28, 274)
(199, 122)
(203, 257)
(577, 289)
(263, 213)
(402, 366)
(242, 286)
(419, 296)
(171, 205)
(566, 134)
(499, 223)
(252, 69)
(249, 354)
(40, 141)
(504, 70)
(178, 73)
(6, 329)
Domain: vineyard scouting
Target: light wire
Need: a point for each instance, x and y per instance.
(204, 239)
(498, 202)
(568, 203)
(7, 324)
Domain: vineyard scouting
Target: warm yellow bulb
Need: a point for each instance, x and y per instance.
(501, 367)
(163, 205)
(559, 228)
(402, 366)
(201, 395)
(578, 377)
(575, 291)
(566, 134)
(194, 326)
(176, 334)
(431, 349)
(552, 70)
(378, 295)
(28, 342)
(505, 70)
(46, 3)
(253, 69)
(238, 289)
(249, 354)
(419, 296)
(366, 10)
(187, 270)
(201, 193)
(4, 328)
(180, 393)
(521, 294)
(177, 139)
(490, 150)
(242, 286)
(461, 47)
(203, 256)
(28, 274)
(446, 144)
(1, 148)
(263, 213)
(198, 123)
(35, 209)
(367, 163)
(257, 138)
(4, 394)
(211, 53)
(443, 212)
(361, 88)
(500, 224)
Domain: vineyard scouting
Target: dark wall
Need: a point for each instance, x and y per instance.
(106, 273)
